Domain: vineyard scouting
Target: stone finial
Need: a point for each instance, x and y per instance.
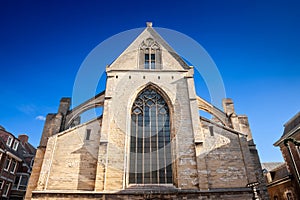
(228, 106)
(149, 24)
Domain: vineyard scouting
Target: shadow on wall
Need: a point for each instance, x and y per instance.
(87, 168)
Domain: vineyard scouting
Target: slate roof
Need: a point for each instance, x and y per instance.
(270, 166)
(292, 124)
(290, 128)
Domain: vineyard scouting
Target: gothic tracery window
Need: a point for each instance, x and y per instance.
(150, 148)
(150, 55)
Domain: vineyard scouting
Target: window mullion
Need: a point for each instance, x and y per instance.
(157, 131)
(164, 149)
(158, 158)
(136, 147)
(150, 144)
(143, 146)
(19, 182)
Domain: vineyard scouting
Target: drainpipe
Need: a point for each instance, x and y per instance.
(296, 143)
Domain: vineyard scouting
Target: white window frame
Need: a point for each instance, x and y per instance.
(16, 186)
(20, 187)
(32, 162)
(12, 171)
(289, 195)
(1, 184)
(15, 145)
(7, 169)
(5, 193)
(9, 141)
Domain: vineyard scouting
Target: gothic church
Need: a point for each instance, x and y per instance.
(150, 142)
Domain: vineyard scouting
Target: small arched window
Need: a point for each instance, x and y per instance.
(150, 147)
(150, 55)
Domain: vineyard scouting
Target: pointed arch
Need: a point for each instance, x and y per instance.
(149, 54)
(150, 138)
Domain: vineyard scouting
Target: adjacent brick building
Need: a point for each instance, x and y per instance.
(16, 159)
(283, 182)
(150, 142)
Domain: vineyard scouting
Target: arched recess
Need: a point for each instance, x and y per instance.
(95, 102)
(150, 55)
(217, 113)
(150, 149)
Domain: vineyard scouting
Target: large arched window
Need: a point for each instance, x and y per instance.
(150, 148)
(150, 55)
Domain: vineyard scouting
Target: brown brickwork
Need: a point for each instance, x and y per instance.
(284, 182)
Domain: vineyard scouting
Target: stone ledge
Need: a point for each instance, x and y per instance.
(147, 189)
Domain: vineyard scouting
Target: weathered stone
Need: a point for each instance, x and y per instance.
(211, 159)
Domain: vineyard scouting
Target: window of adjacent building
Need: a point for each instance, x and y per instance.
(13, 166)
(150, 148)
(1, 184)
(31, 162)
(15, 145)
(7, 164)
(275, 197)
(289, 196)
(88, 134)
(6, 189)
(150, 55)
(20, 182)
(23, 182)
(9, 141)
(17, 181)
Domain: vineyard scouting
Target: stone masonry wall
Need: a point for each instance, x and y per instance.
(70, 160)
(220, 159)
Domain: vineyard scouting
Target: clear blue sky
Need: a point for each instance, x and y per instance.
(255, 45)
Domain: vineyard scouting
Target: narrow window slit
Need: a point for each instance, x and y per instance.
(88, 134)
(211, 130)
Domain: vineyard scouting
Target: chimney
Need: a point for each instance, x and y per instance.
(23, 138)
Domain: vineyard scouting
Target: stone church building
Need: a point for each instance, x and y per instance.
(150, 142)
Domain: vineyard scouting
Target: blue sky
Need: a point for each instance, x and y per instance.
(255, 45)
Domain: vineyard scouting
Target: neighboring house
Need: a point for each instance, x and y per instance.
(279, 181)
(16, 159)
(283, 180)
(150, 142)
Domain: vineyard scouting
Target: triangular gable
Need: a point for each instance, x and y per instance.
(129, 58)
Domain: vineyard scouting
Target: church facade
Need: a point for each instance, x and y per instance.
(150, 142)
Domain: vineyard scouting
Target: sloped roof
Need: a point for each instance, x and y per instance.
(24, 150)
(279, 172)
(290, 128)
(150, 32)
(269, 166)
(2, 128)
(292, 124)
